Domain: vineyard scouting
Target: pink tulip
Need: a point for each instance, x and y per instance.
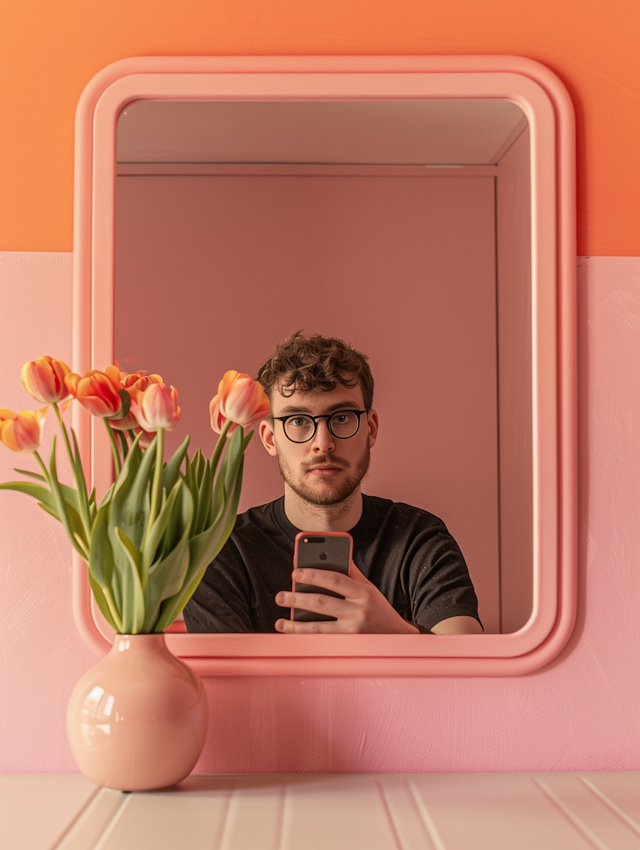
(239, 399)
(156, 407)
(97, 391)
(44, 379)
(217, 418)
(22, 432)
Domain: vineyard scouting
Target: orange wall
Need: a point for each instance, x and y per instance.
(50, 49)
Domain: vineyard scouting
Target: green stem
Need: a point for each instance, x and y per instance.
(157, 477)
(114, 447)
(65, 435)
(81, 484)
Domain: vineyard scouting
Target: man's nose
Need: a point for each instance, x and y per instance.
(323, 440)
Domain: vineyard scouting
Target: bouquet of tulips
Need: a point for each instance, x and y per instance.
(148, 542)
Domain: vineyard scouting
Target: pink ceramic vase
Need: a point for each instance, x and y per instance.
(137, 720)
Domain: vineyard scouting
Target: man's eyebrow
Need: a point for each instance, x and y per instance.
(339, 405)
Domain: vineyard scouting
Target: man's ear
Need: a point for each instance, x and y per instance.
(372, 420)
(265, 429)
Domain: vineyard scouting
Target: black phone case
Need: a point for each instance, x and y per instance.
(310, 546)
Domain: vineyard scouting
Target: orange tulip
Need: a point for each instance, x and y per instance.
(22, 432)
(239, 399)
(156, 407)
(139, 381)
(97, 391)
(135, 384)
(44, 379)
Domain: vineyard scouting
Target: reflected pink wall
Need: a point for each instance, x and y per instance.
(578, 713)
(513, 223)
(213, 270)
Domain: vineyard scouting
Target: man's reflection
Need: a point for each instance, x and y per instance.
(409, 575)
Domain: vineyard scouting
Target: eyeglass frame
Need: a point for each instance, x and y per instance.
(314, 419)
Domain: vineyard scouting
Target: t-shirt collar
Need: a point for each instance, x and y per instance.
(289, 529)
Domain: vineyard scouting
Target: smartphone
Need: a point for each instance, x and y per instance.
(329, 550)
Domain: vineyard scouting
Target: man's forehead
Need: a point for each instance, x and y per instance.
(317, 400)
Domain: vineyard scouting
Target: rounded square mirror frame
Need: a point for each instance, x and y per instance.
(547, 107)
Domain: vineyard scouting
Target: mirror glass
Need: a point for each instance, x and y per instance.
(402, 227)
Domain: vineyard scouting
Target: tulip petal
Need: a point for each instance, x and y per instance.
(44, 379)
(22, 432)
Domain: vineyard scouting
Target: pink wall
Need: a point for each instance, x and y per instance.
(578, 713)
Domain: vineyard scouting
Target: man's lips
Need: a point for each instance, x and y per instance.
(326, 471)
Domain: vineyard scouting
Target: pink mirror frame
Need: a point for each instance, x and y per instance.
(548, 108)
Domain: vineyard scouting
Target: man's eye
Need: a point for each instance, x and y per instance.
(340, 418)
(298, 421)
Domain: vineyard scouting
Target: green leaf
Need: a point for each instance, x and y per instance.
(132, 551)
(132, 593)
(68, 516)
(101, 565)
(104, 605)
(203, 549)
(30, 474)
(43, 494)
(144, 476)
(205, 495)
(166, 577)
(107, 496)
(123, 442)
(129, 467)
(157, 532)
(130, 502)
(226, 475)
(51, 511)
(171, 469)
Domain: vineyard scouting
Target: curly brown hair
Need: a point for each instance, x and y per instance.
(316, 362)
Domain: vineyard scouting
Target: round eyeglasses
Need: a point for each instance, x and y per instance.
(300, 428)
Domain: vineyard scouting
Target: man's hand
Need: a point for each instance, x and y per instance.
(364, 610)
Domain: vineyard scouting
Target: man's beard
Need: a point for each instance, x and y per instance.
(333, 497)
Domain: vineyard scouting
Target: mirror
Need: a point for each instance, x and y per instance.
(385, 223)
(417, 224)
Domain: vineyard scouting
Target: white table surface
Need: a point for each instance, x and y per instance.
(419, 811)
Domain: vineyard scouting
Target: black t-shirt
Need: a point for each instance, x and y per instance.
(406, 552)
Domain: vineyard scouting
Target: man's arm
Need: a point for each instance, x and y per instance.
(364, 610)
(219, 603)
(457, 626)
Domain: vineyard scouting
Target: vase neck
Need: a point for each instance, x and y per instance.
(139, 643)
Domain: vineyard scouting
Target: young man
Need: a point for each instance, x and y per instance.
(407, 576)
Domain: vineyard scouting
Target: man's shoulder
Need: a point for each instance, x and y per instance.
(256, 530)
(380, 509)
(262, 518)
(257, 514)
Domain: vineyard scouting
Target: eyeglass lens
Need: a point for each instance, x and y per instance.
(342, 424)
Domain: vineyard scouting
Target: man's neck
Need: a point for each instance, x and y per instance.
(309, 517)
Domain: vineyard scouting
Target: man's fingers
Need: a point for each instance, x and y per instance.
(329, 579)
(315, 627)
(318, 603)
